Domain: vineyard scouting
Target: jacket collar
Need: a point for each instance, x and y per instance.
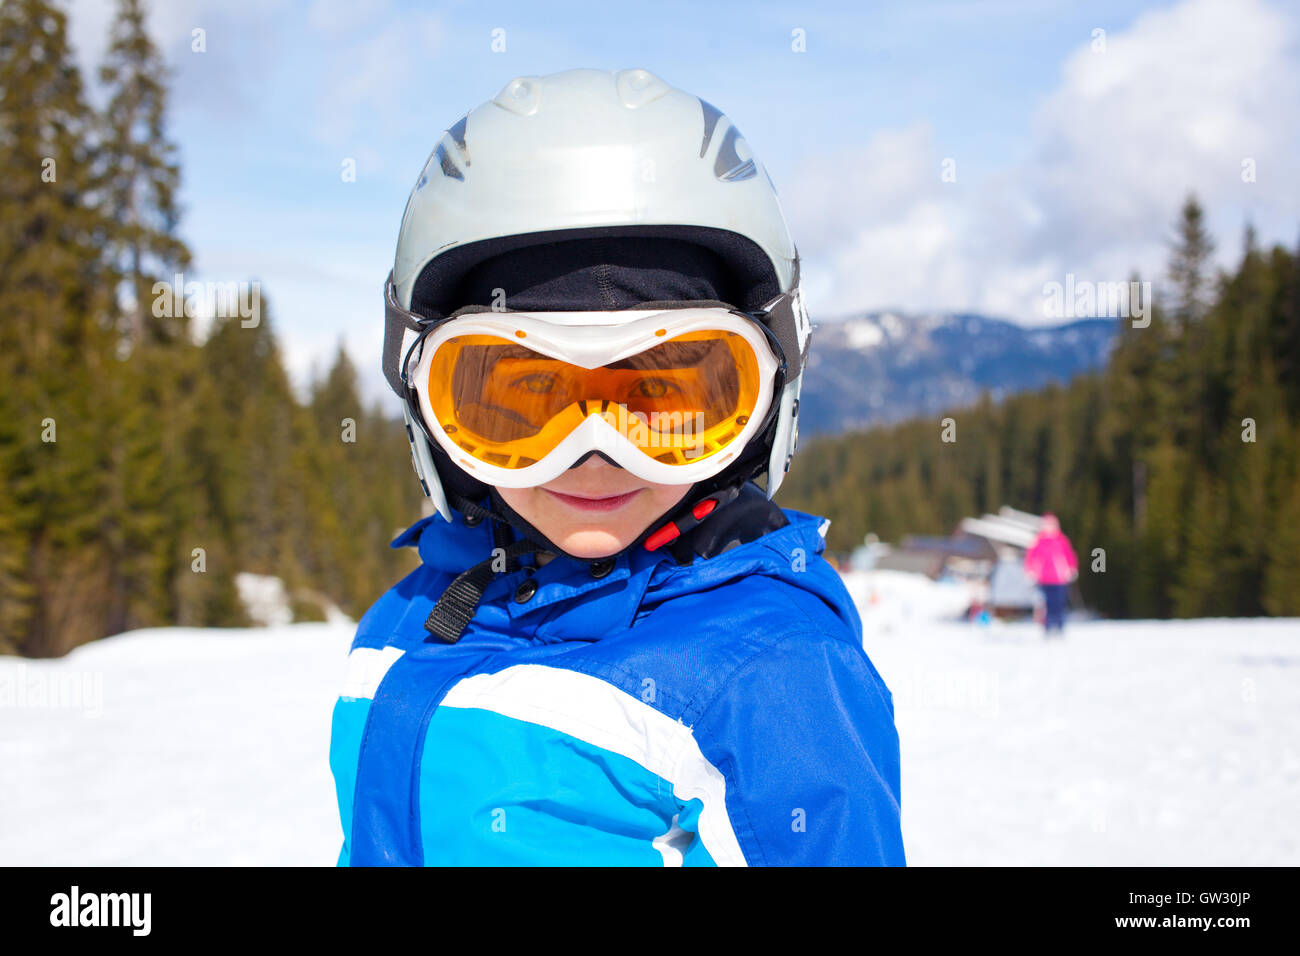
(610, 602)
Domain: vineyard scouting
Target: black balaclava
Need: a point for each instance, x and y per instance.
(604, 273)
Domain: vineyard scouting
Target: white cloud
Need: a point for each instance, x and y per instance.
(878, 225)
(238, 43)
(1173, 104)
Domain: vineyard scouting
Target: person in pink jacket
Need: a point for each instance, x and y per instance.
(1052, 563)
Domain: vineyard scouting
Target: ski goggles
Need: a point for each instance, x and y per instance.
(672, 396)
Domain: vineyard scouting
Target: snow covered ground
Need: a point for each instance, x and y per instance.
(174, 746)
(1144, 743)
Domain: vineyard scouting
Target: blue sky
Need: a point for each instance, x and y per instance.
(1069, 158)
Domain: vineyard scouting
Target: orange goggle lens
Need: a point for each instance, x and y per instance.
(678, 401)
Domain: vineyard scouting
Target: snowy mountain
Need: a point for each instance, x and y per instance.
(884, 367)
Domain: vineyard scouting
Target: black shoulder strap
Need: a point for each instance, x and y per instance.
(457, 605)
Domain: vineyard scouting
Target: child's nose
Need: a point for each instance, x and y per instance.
(595, 461)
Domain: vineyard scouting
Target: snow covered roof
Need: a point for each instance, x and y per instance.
(1003, 529)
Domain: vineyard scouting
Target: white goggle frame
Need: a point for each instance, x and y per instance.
(590, 340)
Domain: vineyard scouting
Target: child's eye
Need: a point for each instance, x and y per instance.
(653, 388)
(539, 383)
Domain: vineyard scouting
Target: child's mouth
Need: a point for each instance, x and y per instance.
(611, 503)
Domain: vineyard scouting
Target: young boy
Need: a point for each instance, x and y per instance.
(617, 649)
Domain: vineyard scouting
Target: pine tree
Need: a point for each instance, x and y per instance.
(153, 482)
(1189, 262)
(1284, 326)
(1282, 577)
(55, 352)
(139, 176)
(1151, 460)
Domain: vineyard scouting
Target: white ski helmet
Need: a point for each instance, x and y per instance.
(582, 154)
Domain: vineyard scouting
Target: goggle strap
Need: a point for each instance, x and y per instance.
(396, 322)
(782, 318)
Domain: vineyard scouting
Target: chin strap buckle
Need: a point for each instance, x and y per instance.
(690, 516)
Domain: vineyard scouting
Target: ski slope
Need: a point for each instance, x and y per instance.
(1147, 743)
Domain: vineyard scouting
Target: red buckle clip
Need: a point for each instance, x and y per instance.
(672, 530)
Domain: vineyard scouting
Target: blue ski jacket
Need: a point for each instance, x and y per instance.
(721, 712)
